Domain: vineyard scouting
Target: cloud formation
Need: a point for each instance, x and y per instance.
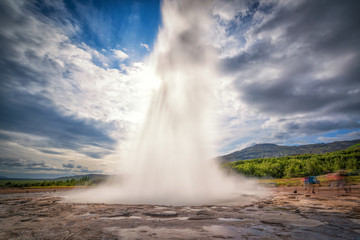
(25, 167)
(294, 64)
(145, 46)
(289, 74)
(120, 54)
(60, 98)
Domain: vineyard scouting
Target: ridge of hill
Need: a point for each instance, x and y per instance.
(90, 177)
(78, 177)
(269, 150)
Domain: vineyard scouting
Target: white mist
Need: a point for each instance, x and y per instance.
(171, 160)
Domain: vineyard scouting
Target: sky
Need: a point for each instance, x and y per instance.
(75, 83)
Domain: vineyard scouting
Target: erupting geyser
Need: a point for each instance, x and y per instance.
(172, 157)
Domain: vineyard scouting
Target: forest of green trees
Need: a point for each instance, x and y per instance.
(300, 165)
(47, 183)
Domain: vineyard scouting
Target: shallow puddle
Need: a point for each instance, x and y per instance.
(231, 219)
(145, 232)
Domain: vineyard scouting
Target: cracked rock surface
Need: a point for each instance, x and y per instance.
(283, 215)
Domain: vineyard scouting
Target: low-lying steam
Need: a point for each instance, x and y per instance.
(172, 157)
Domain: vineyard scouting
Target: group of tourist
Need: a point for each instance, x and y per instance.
(336, 180)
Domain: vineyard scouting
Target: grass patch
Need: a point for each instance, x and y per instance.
(290, 182)
(281, 182)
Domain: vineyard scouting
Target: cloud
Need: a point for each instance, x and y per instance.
(120, 54)
(68, 165)
(14, 166)
(11, 163)
(288, 58)
(293, 64)
(58, 102)
(41, 66)
(145, 46)
(50, 152)
(43, 120)
(342, 137)
(290, 73)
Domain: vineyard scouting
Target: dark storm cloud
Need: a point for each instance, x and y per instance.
(50, 152)
(97, 155)
(15, 34)
(36, 166)
(25, 77)
(68, 165)
(321, 125)
(309, 55)
(260, 51)
(11, 163)
(326, 26)
(35, 115)
(290, 95)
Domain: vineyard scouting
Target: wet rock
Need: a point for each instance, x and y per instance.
(290, 219)
(251, 209)
(323, 216)
(25, 220)
(221, 237)
(227, 219)
(204, 217)
(162, 214)
(124, 214)
(203, 212)
(272, 221)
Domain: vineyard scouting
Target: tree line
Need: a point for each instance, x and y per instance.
(300, 165)
(84, 181)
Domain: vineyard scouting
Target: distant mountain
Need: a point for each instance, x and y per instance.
(78, 177)
(268, 150)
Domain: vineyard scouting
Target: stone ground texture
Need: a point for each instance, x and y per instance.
(327, 214)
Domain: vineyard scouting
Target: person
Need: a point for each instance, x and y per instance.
(306, 182)
(338, 180)
(331, 177)
(312, 181)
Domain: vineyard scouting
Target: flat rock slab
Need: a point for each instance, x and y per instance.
(281, 216)
(201, 218)
(165, 214)
(290, 219)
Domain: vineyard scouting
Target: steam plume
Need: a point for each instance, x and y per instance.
(171, 157)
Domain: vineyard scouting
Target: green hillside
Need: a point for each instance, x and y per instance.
(301, 165)
(272, 150)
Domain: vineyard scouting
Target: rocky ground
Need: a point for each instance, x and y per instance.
(327, 214)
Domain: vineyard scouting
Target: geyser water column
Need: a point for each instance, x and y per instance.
(172, 154)
(171, 160)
